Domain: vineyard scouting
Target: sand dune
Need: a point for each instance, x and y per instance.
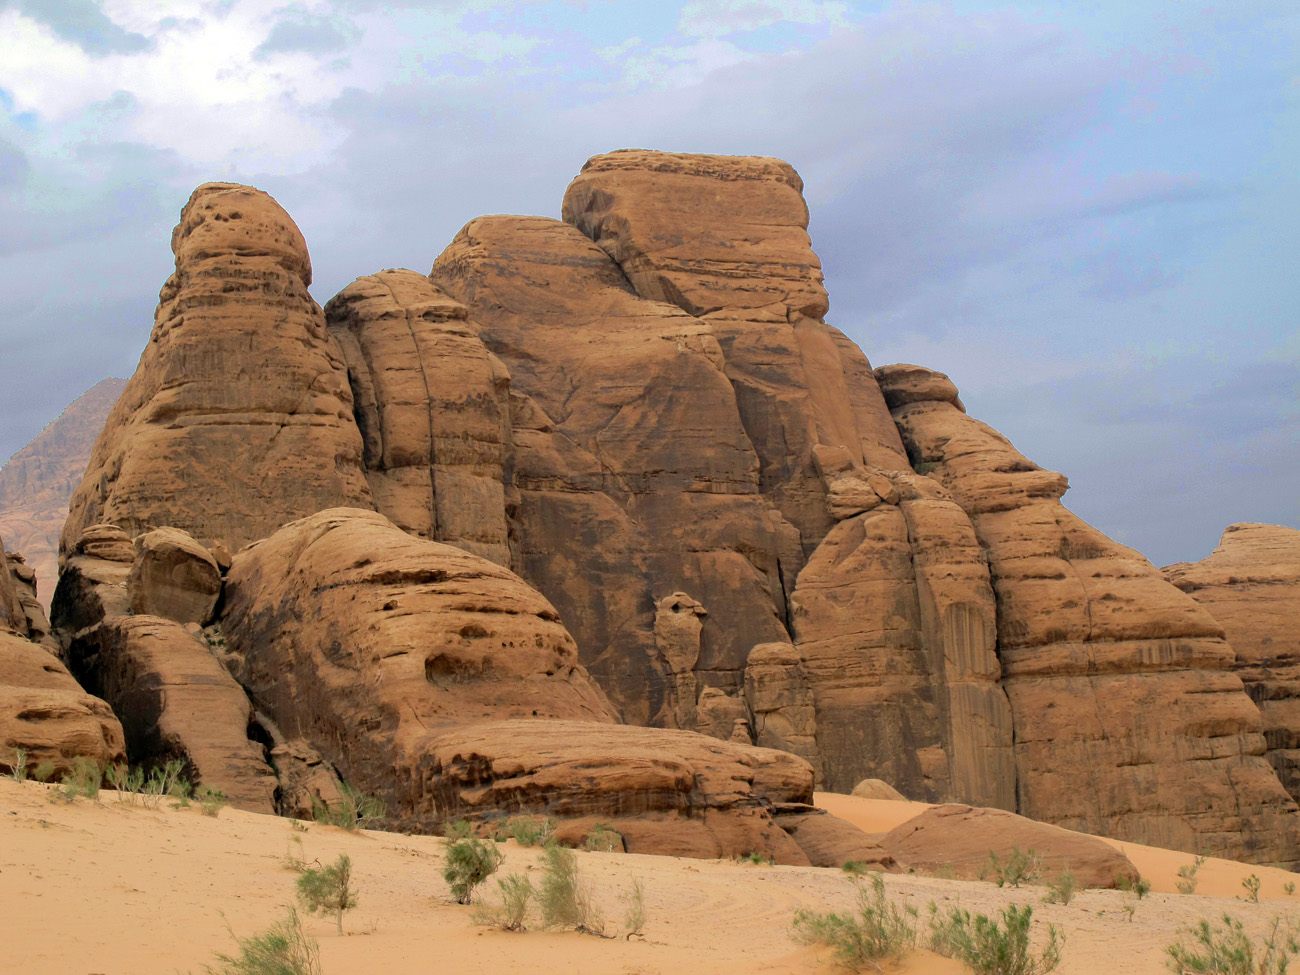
(107, 888)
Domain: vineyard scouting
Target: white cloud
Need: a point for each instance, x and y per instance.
(719, 18)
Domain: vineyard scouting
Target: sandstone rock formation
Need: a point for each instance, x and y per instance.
(176, 701)
(957, 839)
(173, 576)
(1250, 584)
(43, 711)
(1128, 720)
(239, 417)
(37, 482)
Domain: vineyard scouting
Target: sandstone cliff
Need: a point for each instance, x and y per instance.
(1250, 584)
(37, 482)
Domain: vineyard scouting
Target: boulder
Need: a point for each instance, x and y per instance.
(368, 642)
(306, 780)
(93, 582)
(957, 839)
(829, 841)
(176, 701)
(781, 701)
(45, 713)
(667, 792)
(37, 482)
(877, 789)
(173, 576)
(239, 416)
(1128, 719)
(1250, 584)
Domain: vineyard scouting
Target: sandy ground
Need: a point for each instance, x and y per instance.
(108, 888)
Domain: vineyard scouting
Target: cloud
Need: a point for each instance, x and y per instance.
(301, 32)
(83, 23)
(719, 18)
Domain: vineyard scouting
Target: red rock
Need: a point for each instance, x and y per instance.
(957, 839)
(239, 417)
(1250, 584)
(173, 576)
(829, 841)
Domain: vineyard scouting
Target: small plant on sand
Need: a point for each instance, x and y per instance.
(1251, 885)
(855, 868)
(18, 767)
(294, 857)
(328, 888)
(212, 801)
(565, 900)
(352, 810)
(879, 930)
(1289, 887)
(1061, 890)
(469, 863)
(1186, 882)
(162, 781)
(634, 914)
(44, 770)
(461, 829)
(603, 838)
(516, 891)
(1138, 888)
(990, 948)
(1210, 949)
(530, 830)
(1018, 868)
(283, 949)
(83, 779)
(754, 856)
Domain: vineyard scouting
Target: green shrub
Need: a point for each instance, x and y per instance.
(162, 781)
(44, 770)
(1138, 888)
(510, 915)
(461, 829)
(1208, 949)
(565, 900)
(634, 916)
(603, 838)
(855, 868)
(469, 863)
(1018, 868)
(1289, 887)
(18, 767)
(212, 801)
(530, 830)
(1252, 885)
(352, 810)
(880, 930)
(1061, 891)
(83, 779)
(328, 888)
(1186, 882)
(989, 948)
(284, 949)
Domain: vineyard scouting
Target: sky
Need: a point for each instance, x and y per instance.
(1085, 214)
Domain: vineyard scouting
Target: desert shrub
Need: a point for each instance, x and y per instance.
(461, 829)
(1018, 868)
(83, 779)
(284, 949)
(530, 830)
(18, 767)
(328, 888)
(212, 801)
(516, 892)
(44, 770)
(352, 810)
(990, 948)
(855, 868)
(754, 856)
(469, 863)
(1289, 887)
(1138, 888)
(1061, 891)
(1186, 882)
(603, 838)
(1208, 949)
(879, 931)
(634, 914)
(1251, 885)
(294, 857)
(565, 900)
(161, 782)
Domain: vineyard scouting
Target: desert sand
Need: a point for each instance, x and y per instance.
(105, 887)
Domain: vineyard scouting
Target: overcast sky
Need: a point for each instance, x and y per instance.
(1087, 214)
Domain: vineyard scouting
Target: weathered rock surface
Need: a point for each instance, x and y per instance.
(781, 701)
(433, 407)
(305, 779)
(367, 642)
(176, 701)
(37, 482)
(173, 576)
(1250, 584)
(957, 839)
(829, 841)
(23, 579)
(667, 792)
(239, 417)
(93, 584)
(1128, 720)
(877, 789)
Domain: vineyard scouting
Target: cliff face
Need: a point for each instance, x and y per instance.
(37, 482)
(732, 525)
